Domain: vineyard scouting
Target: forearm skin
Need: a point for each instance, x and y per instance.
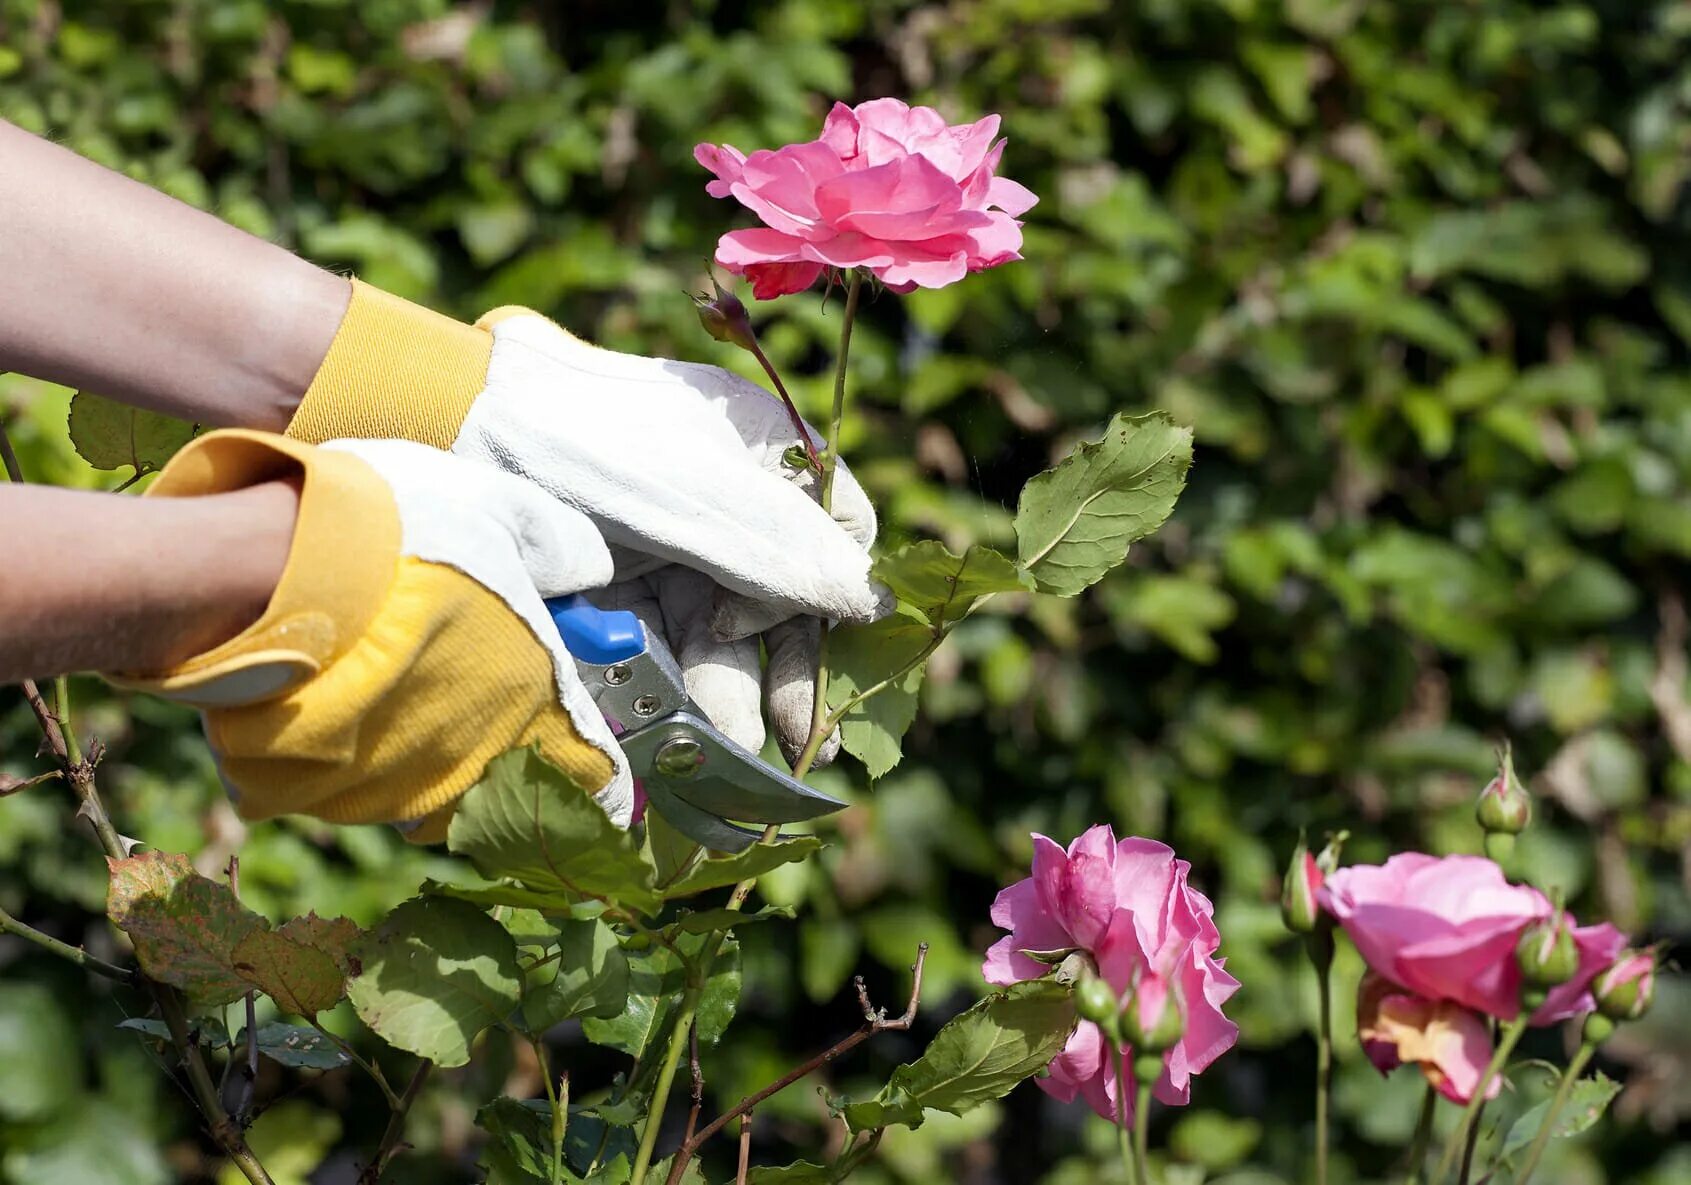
(111, 583)
(109, 285)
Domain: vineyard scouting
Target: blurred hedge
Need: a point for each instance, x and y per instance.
(1416, 273)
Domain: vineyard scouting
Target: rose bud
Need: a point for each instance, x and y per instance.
(1094, 1001)
(1151, 1020)
(725, 318)
(1300, 908)
(1504, 808)
(1626, 989)
(1546, 953)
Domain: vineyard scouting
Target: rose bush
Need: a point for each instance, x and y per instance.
(887, 187)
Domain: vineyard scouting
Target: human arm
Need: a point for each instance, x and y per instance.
(108, 284)
(103, 582)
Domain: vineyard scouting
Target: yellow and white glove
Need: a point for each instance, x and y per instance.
(406, 644)
(715, 539)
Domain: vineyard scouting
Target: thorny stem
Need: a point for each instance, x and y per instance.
(1576, 1067)
(1423, 1138)
(64, 950)
(559, 1099)
(393, 1139)
(698, 1074)
(745, 1148)
(792, 409)
(241, 1106)
(1468, 1148)
(690, 1000)
(666, 1078)
(875, 1020)
(61, 739)
(1458, 1138)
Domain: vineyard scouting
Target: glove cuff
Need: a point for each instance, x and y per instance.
(394, 370)
(340, 564)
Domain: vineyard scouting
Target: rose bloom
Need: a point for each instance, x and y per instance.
(1128, 905)
(887, 187)
(1449, 1043)
(1446, 929)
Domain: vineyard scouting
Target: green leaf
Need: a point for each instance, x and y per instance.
(1586, 1103)
(588, 978)
(435, 973)
(976, 1057)
(753, 861)
(296, 1046)
(507, 893)
(112, 435)
(657, 979)
(705, 920)
(184, 927)
(37, 1079)
(862, 656)
(528, 820)
(521, 1147)
(206, 1031)
(944, 587)
(1075, 522)
(670, 852)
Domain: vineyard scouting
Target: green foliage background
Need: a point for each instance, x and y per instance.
(1415, 273)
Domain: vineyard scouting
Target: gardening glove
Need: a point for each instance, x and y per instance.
(406, 644)
(716, 539)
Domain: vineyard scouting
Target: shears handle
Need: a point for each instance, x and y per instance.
(596, 636)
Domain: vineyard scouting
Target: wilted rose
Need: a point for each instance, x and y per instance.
(1450, 1044)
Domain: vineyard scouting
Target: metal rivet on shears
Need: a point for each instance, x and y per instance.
(616, 675)
(680, 757)
(646, 705)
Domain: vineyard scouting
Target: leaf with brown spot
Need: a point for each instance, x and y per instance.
(335, 937)
(301, 979)
(184, 926)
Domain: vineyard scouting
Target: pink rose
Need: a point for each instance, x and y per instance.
(1128, 905)
(1449, 1043)
(1446, 929)
(887, 187)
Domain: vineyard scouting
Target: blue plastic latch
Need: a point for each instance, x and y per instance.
(594, 635)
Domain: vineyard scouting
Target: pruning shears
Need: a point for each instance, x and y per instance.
(702, 783)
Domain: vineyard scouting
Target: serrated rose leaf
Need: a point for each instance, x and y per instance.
(298, 1047)
(753, 861)
(1075, 522)
(527, 820)
(185, 927)
(112, 435)
(300, 979)
(976, 1057)
(944, 587)
(588, 978)
(859, 658)
(436, 973)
